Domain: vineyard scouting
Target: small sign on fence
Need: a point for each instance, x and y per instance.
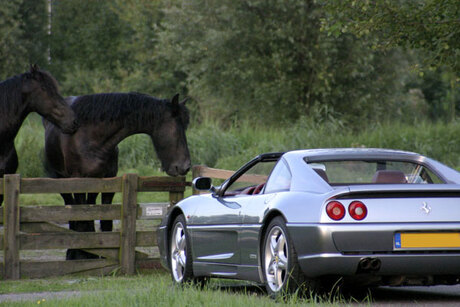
(153, 210)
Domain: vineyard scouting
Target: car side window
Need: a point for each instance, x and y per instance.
(253, 178)
(280, 178)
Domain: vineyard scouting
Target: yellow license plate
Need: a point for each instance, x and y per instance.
(427, 240)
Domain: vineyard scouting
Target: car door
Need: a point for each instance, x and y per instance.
(254, 212)
(218, 224)
(215, 229)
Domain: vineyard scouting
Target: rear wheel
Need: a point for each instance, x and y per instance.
(180, 252)
(280, 266)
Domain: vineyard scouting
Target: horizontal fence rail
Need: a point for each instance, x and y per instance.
(40, 227)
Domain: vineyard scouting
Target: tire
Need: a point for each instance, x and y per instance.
(281, 269)
(180, 256)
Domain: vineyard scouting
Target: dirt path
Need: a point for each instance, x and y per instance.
(38, 296)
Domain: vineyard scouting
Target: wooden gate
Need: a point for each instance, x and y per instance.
(45, 227)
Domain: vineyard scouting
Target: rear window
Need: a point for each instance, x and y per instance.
(374, 172)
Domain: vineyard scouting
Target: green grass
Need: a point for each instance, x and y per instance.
(155, 290)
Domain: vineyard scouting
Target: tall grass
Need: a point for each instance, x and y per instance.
(229, 147)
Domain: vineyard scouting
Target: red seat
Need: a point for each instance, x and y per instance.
(248, 190)
(258, 188)
(389, 176)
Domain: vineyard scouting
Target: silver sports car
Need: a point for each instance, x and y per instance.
(307, 217)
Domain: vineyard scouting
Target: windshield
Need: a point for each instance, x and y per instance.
(374, 172)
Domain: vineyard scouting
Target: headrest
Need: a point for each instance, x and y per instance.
(389, 176)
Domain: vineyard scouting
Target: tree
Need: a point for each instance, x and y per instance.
(85, 42)
(34, 25)
(22, 36)
(101, 46)
(429, 25)
(268, 61)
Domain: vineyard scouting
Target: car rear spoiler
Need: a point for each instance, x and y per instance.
(400, 190)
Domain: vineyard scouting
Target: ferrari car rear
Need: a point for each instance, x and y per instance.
(401, 230)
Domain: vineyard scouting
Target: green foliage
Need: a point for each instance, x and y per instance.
(92, 33)
(438, 141)
(243, 60)
(442, 94)
(108, 46)
(430, 25)
(34, 24)
(264, 61)
(29, 145)
(22, 36)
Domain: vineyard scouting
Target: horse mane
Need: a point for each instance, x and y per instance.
(11, 89)
(133, 109)
(11, 95)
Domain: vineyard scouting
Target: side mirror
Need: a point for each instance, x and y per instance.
(202, 184)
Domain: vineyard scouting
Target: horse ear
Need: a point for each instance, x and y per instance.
(34, 68)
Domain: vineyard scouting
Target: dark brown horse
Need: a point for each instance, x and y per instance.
(33, 91)
(105, 120)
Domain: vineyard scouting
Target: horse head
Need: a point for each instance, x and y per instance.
(42, 96)
(170, 141)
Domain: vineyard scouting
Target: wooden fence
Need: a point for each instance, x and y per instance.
(41, 227)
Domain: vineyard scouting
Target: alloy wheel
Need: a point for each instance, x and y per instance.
(178, 252)
(276, 258)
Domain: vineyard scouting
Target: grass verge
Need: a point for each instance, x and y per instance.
(153, 290)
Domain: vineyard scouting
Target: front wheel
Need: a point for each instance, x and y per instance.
(280, 265)
(180, 257)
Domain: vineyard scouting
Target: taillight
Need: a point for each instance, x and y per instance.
(357, 210)
(335, 210)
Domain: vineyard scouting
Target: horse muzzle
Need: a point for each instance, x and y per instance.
(178, 169)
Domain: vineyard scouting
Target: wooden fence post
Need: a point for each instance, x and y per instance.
(175, 197)
(11, 186)
(128, 224)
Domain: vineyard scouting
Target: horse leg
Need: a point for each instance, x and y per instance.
(83, 226)
(91, 200)
(106, 199)
(71, 254)
(69, 200)
(80, 226)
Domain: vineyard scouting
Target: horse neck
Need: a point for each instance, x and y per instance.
(113, 133)
(13, 109)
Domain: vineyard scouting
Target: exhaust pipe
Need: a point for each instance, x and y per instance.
(375, 264)
(366, 265)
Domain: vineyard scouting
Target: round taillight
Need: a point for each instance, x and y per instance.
(335, 210)
(357, 210)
